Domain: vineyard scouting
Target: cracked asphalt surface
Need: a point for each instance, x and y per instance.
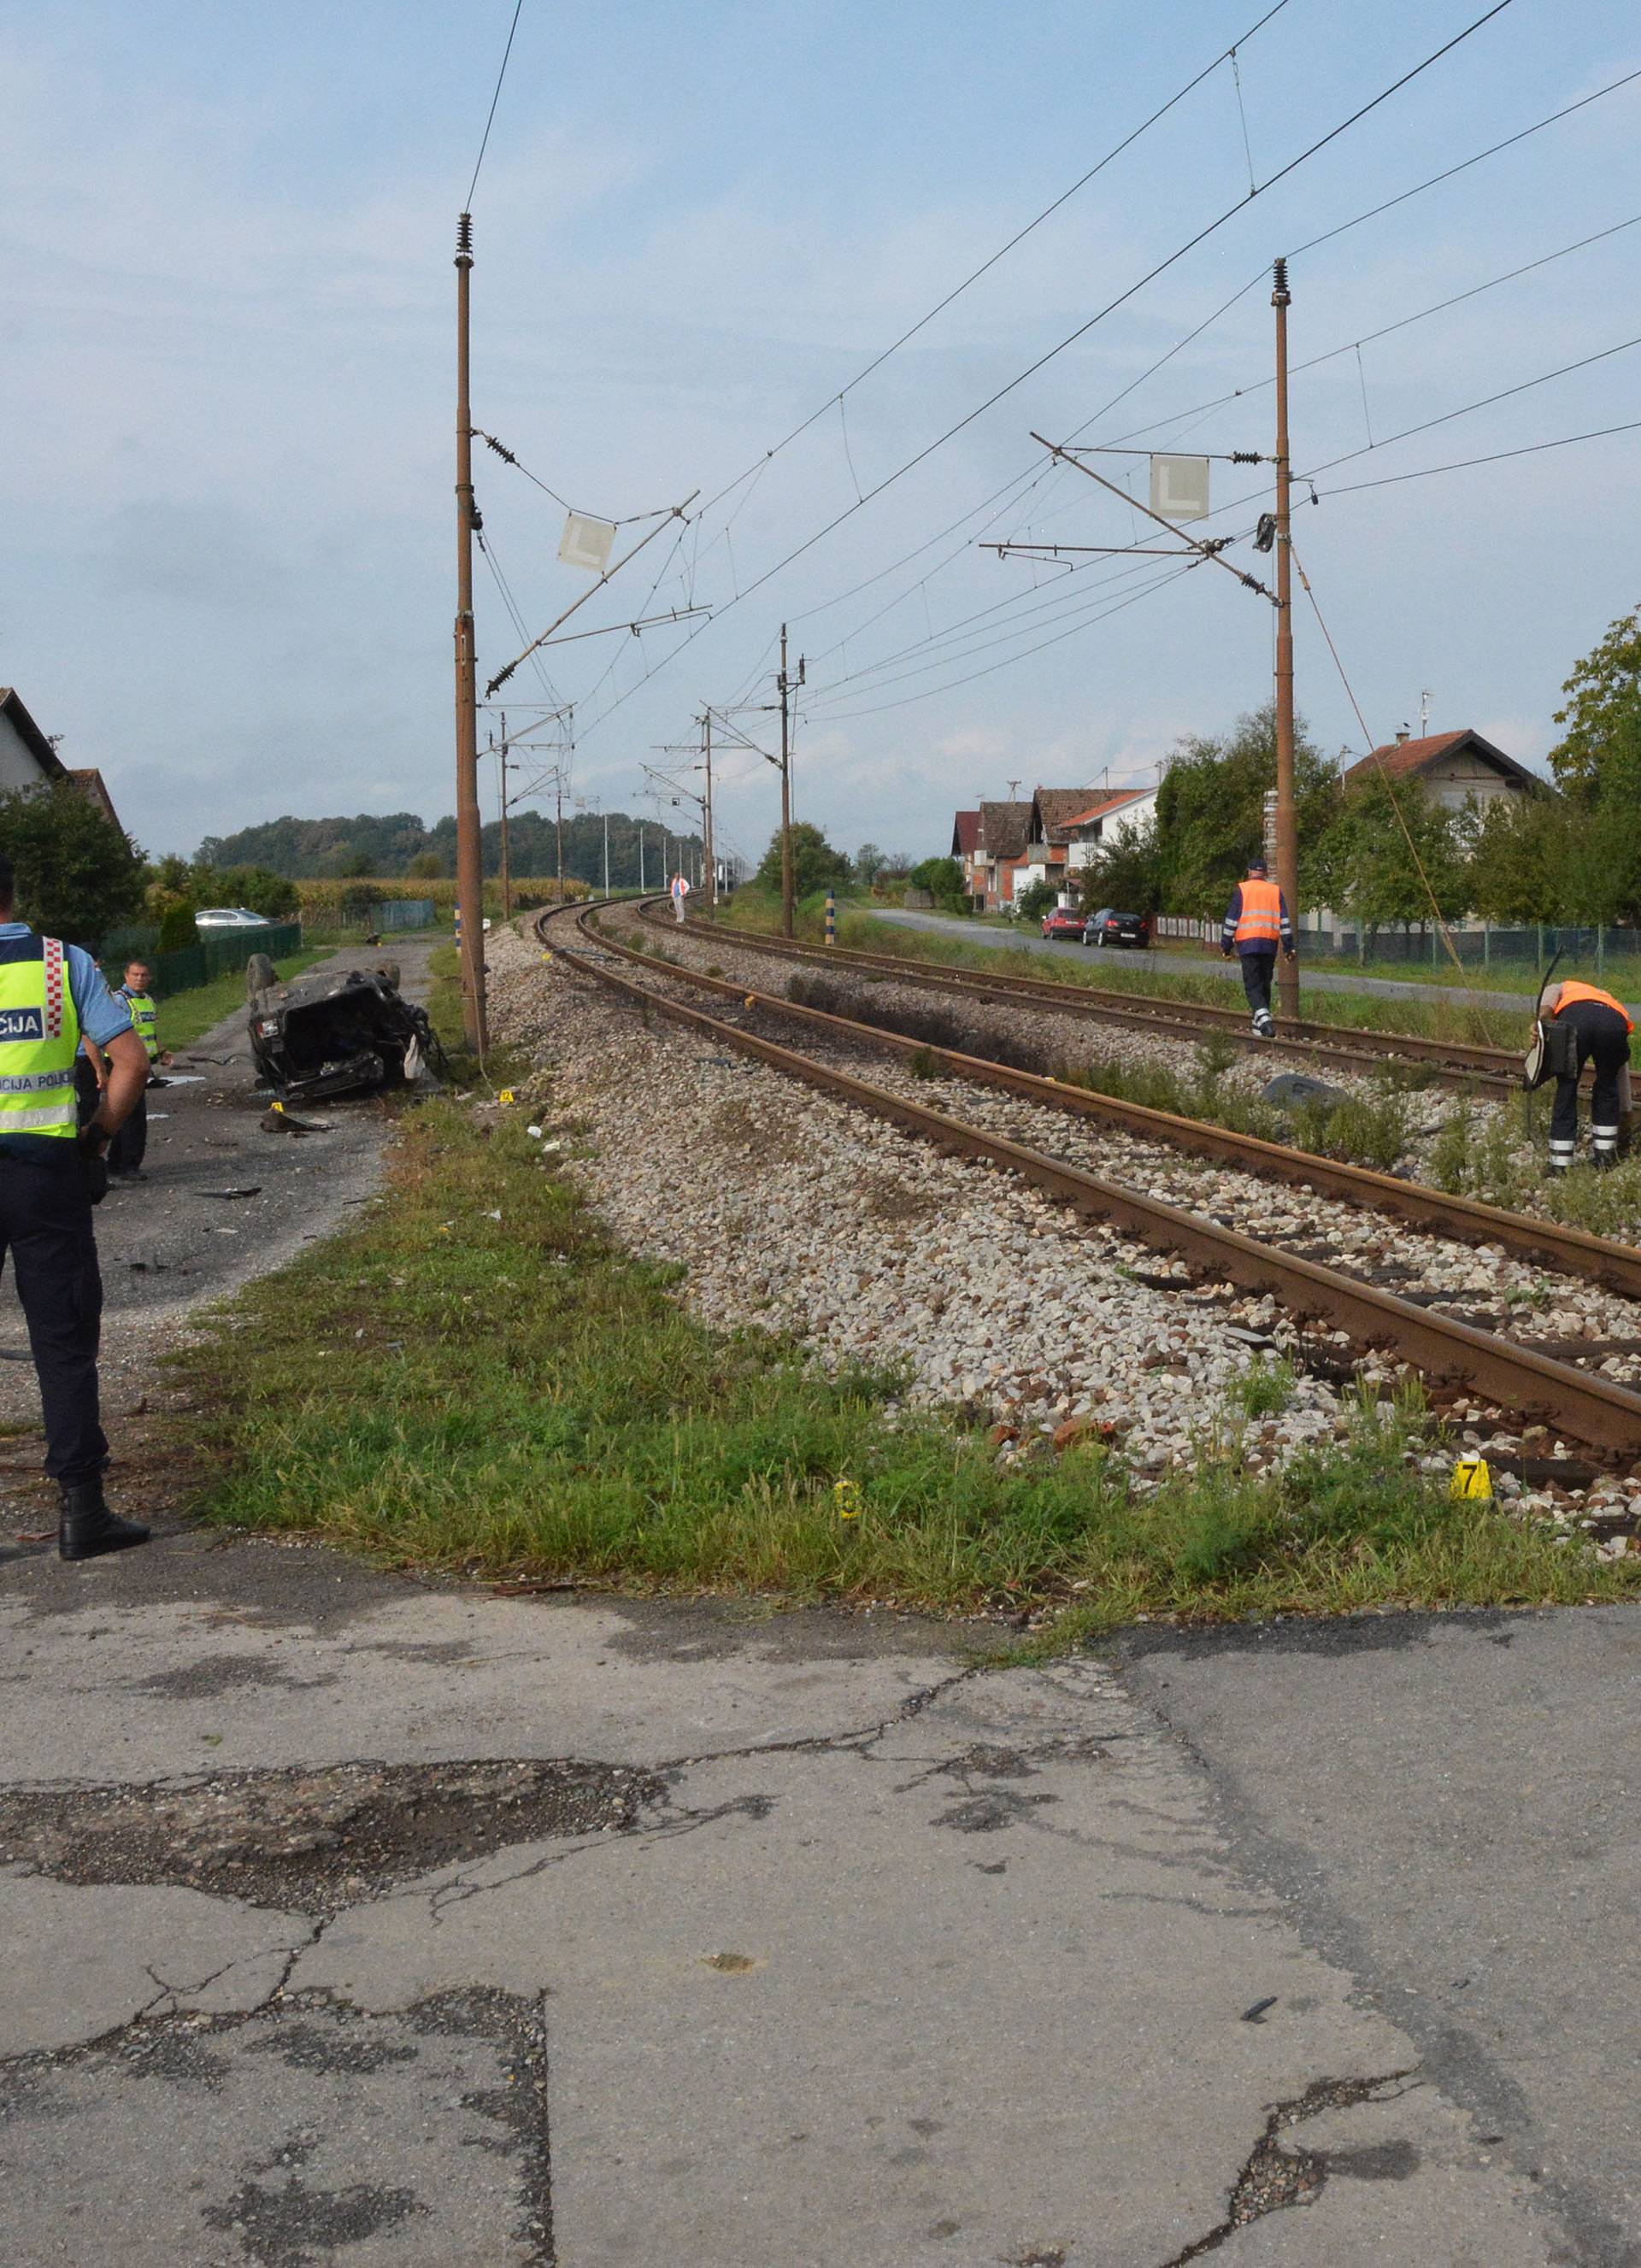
(353, 1920)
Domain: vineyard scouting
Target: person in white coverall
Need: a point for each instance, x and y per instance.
(680, 891)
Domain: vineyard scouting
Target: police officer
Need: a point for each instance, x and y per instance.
(130, 1146)
(51, 1168)
(1256, 922)
(1602, 1028)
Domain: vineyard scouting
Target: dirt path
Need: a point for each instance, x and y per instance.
(176, 1240)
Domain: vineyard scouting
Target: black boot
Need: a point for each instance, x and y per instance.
(85, 1526)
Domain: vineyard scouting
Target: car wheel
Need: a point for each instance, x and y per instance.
(259, 975)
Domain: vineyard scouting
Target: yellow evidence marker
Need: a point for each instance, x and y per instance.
(1471, 1476)
(846, 1495)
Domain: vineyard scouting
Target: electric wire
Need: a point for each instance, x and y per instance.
(1082, 330)
(1173, 575)
(1111, 155)
(1368, 338)
(1497, 457)
(491, 118)
(1176, 423)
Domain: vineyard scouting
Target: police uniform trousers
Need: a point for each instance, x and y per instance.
(1258, 969)
(126, 1150)
(1603, 1039)
(46, 1226)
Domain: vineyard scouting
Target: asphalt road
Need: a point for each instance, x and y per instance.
(1208, 964)
(358, 1919)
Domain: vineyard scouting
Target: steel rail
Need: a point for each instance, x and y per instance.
(1569, 1251)
(1590, 1407)
(1454, 1063)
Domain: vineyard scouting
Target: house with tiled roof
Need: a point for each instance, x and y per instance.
(1454, 768)
(1068, 824)
(999, 851)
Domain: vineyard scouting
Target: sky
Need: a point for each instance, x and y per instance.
(228, 575)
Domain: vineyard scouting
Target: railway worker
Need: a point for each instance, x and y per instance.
(680, 891)
(51, 1172)
(1602, 1028)
(1256, 923)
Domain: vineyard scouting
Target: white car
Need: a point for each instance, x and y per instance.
(230, 918)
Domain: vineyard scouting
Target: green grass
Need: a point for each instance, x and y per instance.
(506, 1397)
(187, 1016)
(868, 932)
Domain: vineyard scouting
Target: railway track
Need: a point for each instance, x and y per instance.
(1338, 1047)
(1578, 1403)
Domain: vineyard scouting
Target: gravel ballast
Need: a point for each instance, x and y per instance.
(794, 1211)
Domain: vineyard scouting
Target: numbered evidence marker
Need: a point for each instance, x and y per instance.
(506, 1095)
(1471, 1476)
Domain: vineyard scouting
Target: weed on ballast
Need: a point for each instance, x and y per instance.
(516, 1397)
(1361, 1132)
(1264, 1389)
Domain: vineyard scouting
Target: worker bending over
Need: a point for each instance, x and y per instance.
(1256, 923)
(1601, 1029)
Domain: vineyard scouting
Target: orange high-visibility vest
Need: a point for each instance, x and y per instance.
(1261, 919)
(1572, 991)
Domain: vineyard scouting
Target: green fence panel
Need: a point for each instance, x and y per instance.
(214, 955)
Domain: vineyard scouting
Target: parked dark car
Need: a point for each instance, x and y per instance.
(1062, 923)
(1110, 927)
(339, 1034)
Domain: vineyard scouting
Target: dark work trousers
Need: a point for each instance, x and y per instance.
(86, 1090)
(126, 1150)
(1603, 1039)
(1258, 968)
(46, 1225)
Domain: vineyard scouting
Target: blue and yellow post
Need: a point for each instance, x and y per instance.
(831, 916)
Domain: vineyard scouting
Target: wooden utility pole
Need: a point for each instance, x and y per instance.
(469, 856)
(1287, 830)
(506, 862)
(706, 750)
(786, 684)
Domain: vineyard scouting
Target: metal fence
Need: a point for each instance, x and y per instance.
(1479, 945)
(214, 956)
(404, 913)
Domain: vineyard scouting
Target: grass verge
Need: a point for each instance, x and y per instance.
(1103, 972)
(187, 1016)
(513, 1396)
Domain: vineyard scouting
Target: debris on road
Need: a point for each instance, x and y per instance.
(339, 1034)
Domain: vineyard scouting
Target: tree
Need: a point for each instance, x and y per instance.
(815, 862)
(254, 887)
(78, 875)
(870, 863)
(1210, 810)
(1598, 758)
(426, 867)
(1365, 864)
(1125, 872)
(1035, 900)
(943, 878)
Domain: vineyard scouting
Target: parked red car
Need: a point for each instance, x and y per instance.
(1062, 923)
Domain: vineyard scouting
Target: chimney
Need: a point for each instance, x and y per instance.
(1401, 737)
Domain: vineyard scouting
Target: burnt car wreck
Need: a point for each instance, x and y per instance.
(349, 1033)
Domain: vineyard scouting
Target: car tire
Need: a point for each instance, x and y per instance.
(259, 975)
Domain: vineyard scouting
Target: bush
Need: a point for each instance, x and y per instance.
(1034, 901)
(943, 878)
(177, 932)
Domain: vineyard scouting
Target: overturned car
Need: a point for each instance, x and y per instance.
(329, 1034)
